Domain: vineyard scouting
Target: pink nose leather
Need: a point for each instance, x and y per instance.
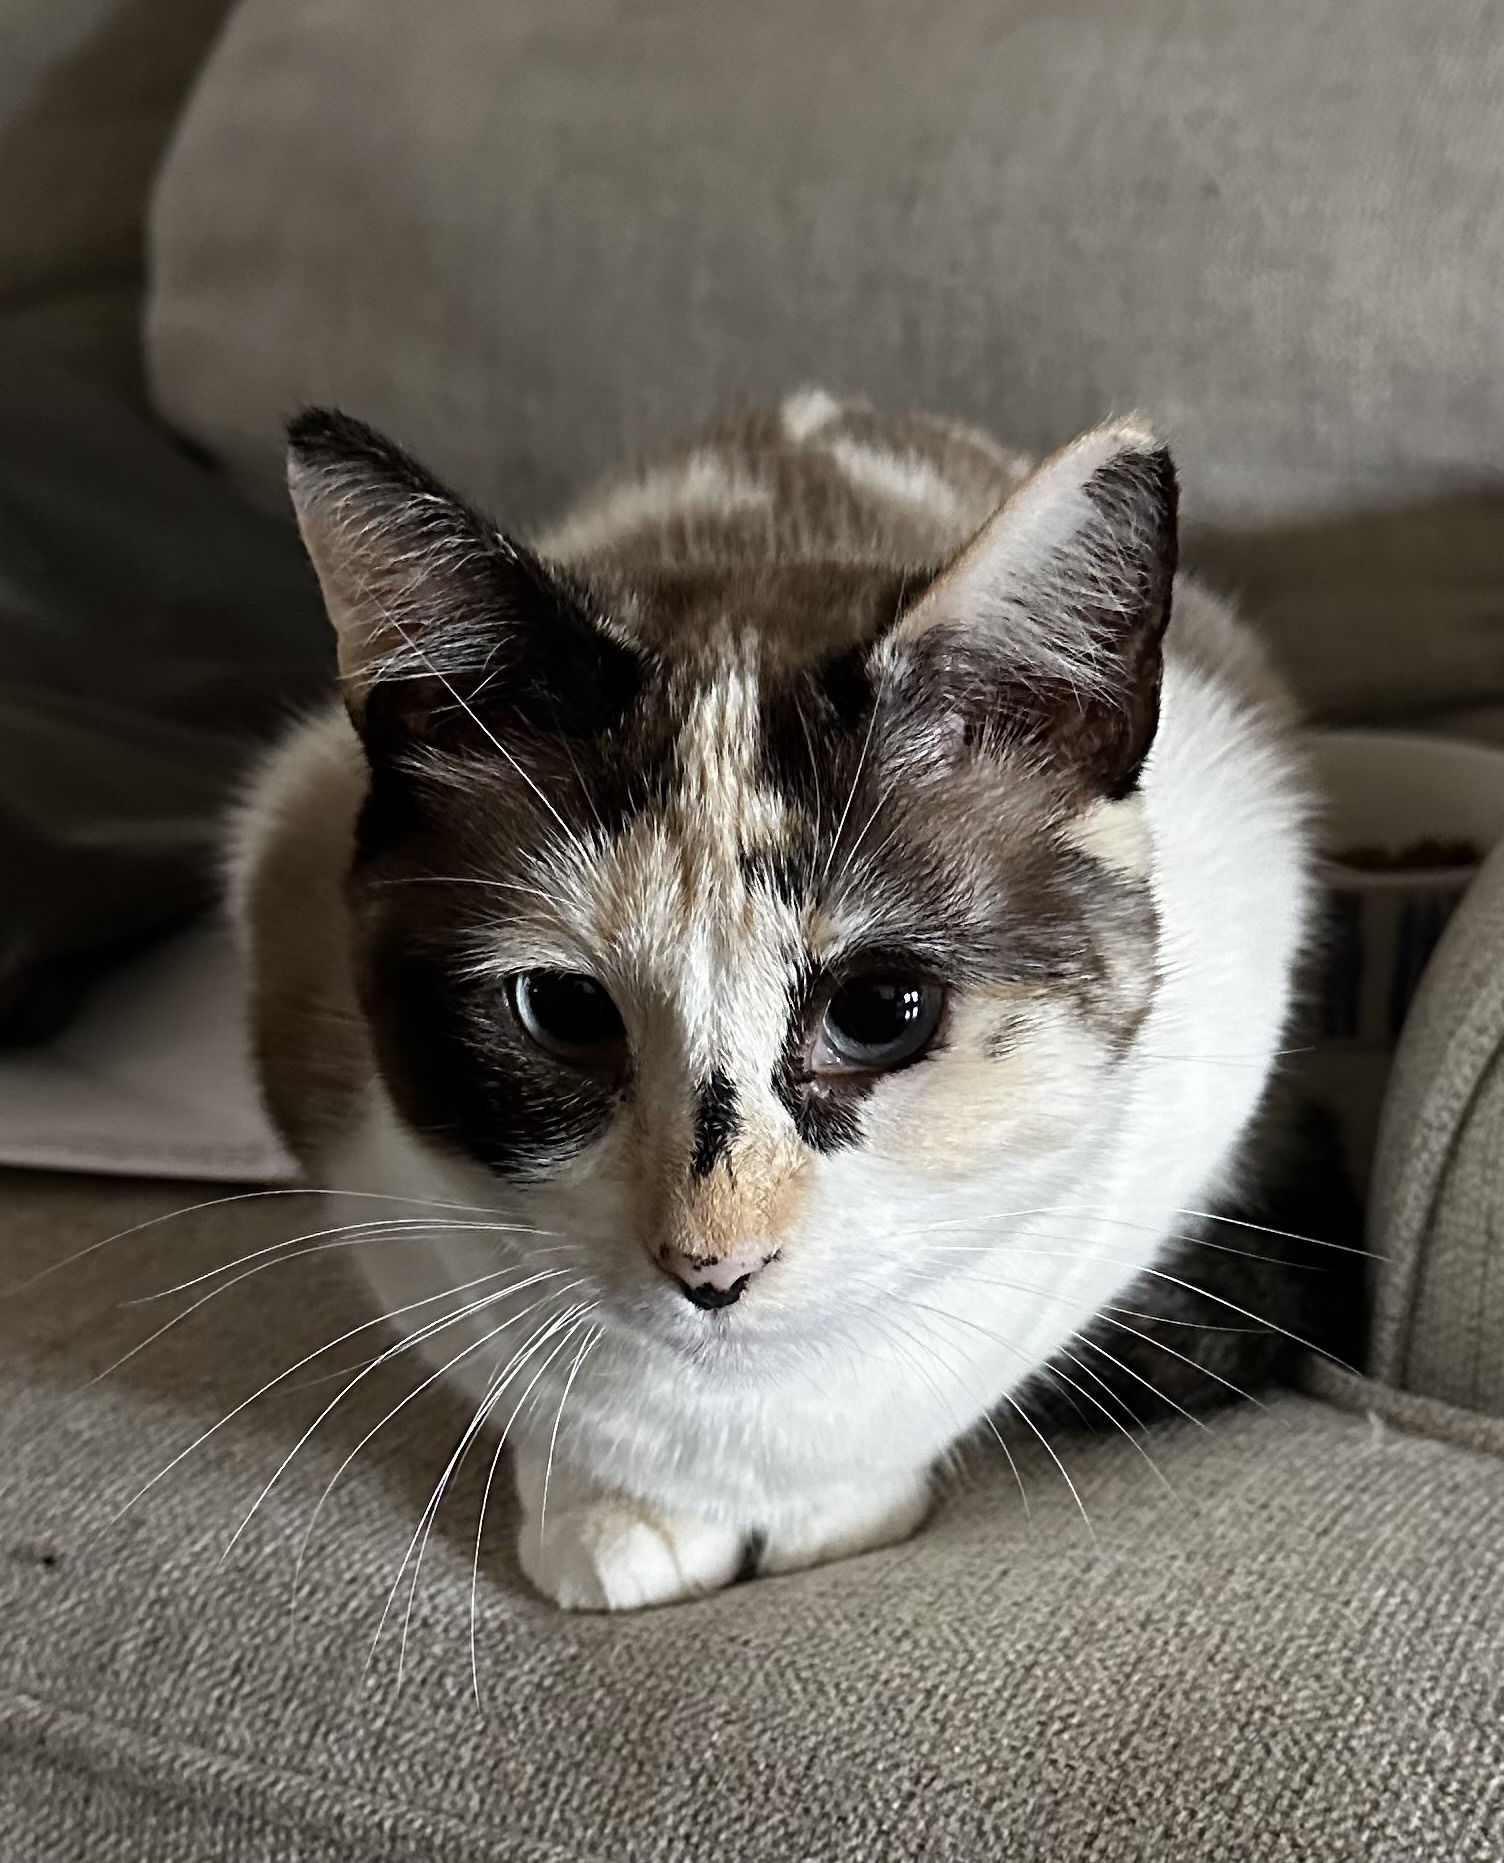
(716, 1283)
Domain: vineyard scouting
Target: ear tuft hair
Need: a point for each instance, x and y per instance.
(430, 601)
(1049, 625)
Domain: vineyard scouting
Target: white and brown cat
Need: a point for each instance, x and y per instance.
(808, 934)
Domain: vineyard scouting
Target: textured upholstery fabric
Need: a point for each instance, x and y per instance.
(1437, 1214)
(1295, 1654)
(529, 235)
(89, 93)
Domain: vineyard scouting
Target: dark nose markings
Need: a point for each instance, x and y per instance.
(704, 1295)
(716, 1124)
(711, 1281)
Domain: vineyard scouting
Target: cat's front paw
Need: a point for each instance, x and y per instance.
(858, 1523)
(609, 1555)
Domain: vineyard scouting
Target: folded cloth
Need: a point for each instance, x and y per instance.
(153, 1078)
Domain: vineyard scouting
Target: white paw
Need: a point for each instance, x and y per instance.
(608, 1555)
(879, 1518)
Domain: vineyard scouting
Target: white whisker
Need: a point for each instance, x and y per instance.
(193, 1307)
(548, 1467)
(380, 1319)
(582, 1315)
(1220, 1300)
(1110, 1216)
(404, 1344)
(1288, 1235)
(856, 778)
(1149, 1339)
(1012, 1403)
(571, 838)
(239, 1196)
(947, 1277)
(476, 1424)
(988, 1421)
(457, 879)
(404, 1228)
(1117, 1424)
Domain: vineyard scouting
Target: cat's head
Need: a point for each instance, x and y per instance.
(745, 925)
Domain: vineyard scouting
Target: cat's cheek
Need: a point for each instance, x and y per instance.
(980, 1101)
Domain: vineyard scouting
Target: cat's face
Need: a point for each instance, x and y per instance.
(747, 928)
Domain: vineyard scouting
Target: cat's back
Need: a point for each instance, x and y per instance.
(801, 517)
(813, 481)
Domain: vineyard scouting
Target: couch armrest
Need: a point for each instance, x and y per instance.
(1436, 1215)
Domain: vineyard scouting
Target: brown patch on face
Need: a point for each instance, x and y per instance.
(756, 1193)
(970, 1102)
(1117, 834)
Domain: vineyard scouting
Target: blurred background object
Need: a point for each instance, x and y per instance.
(1407, 822)
(90, 93)
(153, 630)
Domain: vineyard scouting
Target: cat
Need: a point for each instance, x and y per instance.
(809, 936)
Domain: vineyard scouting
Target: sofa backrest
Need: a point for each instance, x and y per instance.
(530, 235)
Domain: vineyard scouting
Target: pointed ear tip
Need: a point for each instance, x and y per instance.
(1124, 439)
(1133, 433)
(1131, 442)
(313, 427)
(319, 436)
(314, 439)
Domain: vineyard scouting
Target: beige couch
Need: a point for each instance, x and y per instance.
(526, 236)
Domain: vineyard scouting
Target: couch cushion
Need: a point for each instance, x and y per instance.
(1283, 1642)
(529, 237)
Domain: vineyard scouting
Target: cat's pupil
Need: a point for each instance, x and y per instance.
(567, 1013)
(878, 1021)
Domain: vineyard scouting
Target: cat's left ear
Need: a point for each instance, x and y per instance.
(1048, 627)
(431, 605)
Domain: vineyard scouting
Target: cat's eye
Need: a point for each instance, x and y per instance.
(879, 1020)
(569, 1015)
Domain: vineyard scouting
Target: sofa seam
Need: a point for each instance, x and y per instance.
(1443, 1423)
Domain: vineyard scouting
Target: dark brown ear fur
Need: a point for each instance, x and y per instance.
(1048, 628)
(444, 624)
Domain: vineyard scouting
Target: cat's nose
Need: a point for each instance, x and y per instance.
(715, 1282)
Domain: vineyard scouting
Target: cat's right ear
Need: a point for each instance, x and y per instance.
(433, 606)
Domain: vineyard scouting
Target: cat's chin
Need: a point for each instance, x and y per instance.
(738, 1337)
